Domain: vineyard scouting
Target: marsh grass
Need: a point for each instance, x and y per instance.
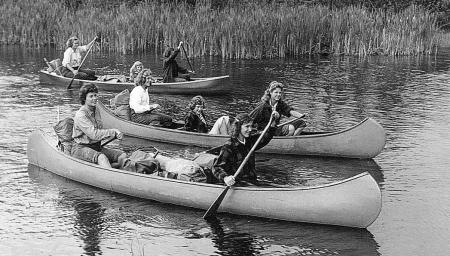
(246, 30)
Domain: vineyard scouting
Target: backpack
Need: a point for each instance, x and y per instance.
(64, 130)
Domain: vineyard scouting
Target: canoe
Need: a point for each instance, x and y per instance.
(211, 85)
(364, 140)
(353, 202)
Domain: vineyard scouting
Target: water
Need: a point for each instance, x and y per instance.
(43, 214)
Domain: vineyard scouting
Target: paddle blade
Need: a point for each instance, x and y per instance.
(213, 208)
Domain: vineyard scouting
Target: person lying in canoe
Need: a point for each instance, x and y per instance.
(72, 60)
(88, 133)
(141, 110)
(236, 149)
(274, 96)
(195, 119)
(172, 72)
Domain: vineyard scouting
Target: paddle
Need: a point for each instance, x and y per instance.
(108, 141)
(290, 121)
(79, 67)
(185, 54)
(213, 208)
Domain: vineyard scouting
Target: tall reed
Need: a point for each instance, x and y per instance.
(237, 30)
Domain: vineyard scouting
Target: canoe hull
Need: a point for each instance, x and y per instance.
(212, 85)
(364, 140)
(354, 202)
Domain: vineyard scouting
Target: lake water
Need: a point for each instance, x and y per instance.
(43, 214)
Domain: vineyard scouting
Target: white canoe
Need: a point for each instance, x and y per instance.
(363, 140)
(353, 202)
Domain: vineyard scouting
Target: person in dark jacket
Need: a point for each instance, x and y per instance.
(172, 72)
(273, 96)
(236, 149)
(195, 119)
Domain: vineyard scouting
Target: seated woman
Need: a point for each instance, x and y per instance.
(135, 70)
(72, 60)
(236, 149)
(195, 119)
(88, 133)
(141, 110)
(273, 96)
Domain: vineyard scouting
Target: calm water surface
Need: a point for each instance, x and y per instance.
(43, 214)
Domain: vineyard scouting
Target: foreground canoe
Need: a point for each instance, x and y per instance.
(353, 202)
(364, 140)
(211, 85)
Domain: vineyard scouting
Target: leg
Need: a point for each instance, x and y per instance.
(103, 161)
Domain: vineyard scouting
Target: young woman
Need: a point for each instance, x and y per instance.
(236, 149)
(135, 70)
(72, 60)
(88, 133)
(141, 110)
(273, 96)
(195, 119)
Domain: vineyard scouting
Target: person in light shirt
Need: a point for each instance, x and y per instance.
(141, 110)
(72, 60)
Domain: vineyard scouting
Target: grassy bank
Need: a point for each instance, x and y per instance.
(235, 31)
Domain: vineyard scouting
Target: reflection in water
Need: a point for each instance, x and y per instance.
(89, 214)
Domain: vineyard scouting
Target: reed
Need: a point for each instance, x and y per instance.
(237, 30)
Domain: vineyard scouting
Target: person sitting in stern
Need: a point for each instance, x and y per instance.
(233, 153)
(172, 71)
(72, 60)
(88, 133)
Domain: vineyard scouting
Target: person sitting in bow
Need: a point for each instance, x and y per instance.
(172, 71)
(88, 133)
(135, 70)
(141, 110)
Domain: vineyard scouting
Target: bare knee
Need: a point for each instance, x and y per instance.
(103, 161)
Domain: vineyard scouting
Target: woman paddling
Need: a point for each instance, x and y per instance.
(72, 60)
(88, 133)
(274, 96)
(236, 149)
(172, 71)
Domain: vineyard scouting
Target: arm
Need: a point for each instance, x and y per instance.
(222, 164)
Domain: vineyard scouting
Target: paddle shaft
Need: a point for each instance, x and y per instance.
(108, 141)
(81, 64)
(213, 208)
(185, 54)
(290, 121)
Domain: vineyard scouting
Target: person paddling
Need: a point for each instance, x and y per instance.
(236, 149)
(72, 60)
(172, 71)
(88, 133)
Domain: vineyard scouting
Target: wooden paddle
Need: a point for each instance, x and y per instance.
(79, 67)
(108, 141)
(185, 54)
(213, 208)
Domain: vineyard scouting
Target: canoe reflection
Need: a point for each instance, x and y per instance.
(100, 217)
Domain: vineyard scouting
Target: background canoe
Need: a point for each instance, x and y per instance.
(364, 140)
(204, 86)
(353, 202)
